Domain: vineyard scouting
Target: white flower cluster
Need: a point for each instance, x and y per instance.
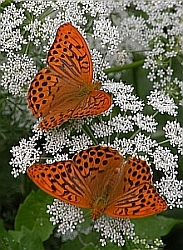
(114, 229)
(162, 102)
(169, 186)
(144, 244)
(24, 155)
(134, 123)
(17, 71)
(174, 132)
(108, 32)
(11, 37)
(66, 215)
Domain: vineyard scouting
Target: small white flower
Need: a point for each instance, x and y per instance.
(160, 73)
(114, 229)
(24, 156)
(174, 132)
(161, 101)
(17, 73)
(147, 123)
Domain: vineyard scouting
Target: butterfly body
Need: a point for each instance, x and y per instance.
(98, 207)
(83, 90)
(100, 179)
(64, 89)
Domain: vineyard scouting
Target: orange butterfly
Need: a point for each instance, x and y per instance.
(98, 178)
(64, 89)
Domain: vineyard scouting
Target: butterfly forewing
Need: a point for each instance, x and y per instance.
(61, 180)
(42, 101)
(69, 55)
(135, 172)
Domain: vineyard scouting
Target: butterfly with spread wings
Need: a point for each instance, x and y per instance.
(64, 89)
(100, 179)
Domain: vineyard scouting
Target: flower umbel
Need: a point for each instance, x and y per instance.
(144, 119)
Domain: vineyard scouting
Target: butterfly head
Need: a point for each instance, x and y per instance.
(97, 85)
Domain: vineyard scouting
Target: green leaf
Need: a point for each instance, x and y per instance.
(82, 241)
(26, 239)
(109, 246)
(89, 247)
(18, 240)
(154, 226)
(6, 240)
(32, 214)
(88, 242)
(72, 244)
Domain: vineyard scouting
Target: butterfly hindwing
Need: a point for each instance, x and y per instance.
(54, 119)
(141, 201)
(97, 165)
(96, 102)
(134, 195)
(93, 104)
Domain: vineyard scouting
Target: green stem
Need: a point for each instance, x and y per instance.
(155, 114)
(135, 134)
(47, 12)
(124, 67)
(109, 137)
(81, 240)
(165, 141)
(89, 133)
(27, 48)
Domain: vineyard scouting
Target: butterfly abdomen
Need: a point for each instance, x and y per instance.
(98, 207)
